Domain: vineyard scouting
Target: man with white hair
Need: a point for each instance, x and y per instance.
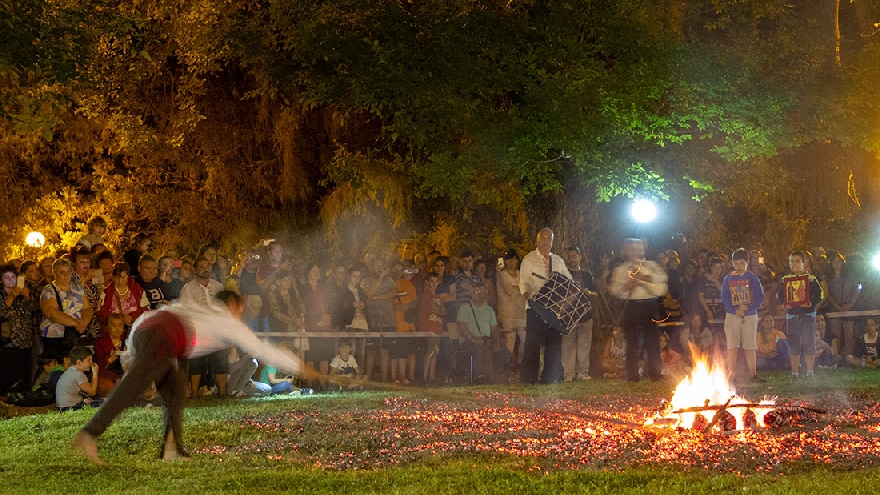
(534, 271)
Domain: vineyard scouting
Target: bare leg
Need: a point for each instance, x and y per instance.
(395, 378)
(411, 368)
(324, 368)
(432, 368)
(795, 360)
(809, 359)
(383, 364)
(370, 364)
(221, 384)
(171, 388)
(194, 381)
(401, 371)
(750, 361)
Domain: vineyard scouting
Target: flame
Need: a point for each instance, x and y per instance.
(698, 397)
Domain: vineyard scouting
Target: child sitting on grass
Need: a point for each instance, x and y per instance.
(344, 367)
(74, 390)
(866, 348)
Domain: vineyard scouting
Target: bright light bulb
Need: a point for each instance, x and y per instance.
(643, 210)
(876, 261)
(35, 240)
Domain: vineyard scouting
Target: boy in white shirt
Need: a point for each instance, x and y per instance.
(344, 365)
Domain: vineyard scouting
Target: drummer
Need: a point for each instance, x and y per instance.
(534, 271)
(639, 283)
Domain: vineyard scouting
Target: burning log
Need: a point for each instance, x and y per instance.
(718, 415)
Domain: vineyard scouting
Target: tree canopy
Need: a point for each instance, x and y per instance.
(452, 121)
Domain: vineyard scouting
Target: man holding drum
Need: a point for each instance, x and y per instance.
(534, 271)
(640, 283)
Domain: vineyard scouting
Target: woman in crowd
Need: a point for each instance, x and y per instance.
(351, 309)
(46, 269)
(431, 313)
(209, 252)
(123, 296)
(16, 312)
(66, 312)
(82, 276)
(446, 292)
(104, 262)
(318, 319)
(511, 304)
(286, 310)
(842, 295)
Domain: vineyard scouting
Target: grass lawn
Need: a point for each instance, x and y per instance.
(584, 437)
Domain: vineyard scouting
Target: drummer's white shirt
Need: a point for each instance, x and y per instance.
(532, 269)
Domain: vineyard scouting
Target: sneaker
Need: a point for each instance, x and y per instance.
(306, 391)
(794, 376)
(758, 379)
(810, 375)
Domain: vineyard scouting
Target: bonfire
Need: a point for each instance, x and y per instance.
(706, 400)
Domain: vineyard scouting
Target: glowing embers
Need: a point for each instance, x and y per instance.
(706, 401)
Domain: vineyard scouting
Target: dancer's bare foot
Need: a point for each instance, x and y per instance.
(170, 451)
(87, 446)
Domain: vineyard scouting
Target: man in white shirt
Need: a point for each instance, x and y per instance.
(159, 345)
(200, 292)
(640, 283)
(534, 271)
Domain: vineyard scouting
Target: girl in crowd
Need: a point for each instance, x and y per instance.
(123, 296)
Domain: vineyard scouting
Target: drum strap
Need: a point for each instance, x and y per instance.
(476, 320)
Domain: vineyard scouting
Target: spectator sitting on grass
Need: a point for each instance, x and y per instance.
(865, 354)
(74, 390)
(826, 356)
(271, 384)
(772, 352)
(48, 378)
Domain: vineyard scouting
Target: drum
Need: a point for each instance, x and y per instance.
(561, 303)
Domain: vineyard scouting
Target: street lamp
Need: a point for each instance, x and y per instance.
(35, 240)
(643, 210)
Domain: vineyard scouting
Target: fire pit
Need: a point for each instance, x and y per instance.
(707, 401)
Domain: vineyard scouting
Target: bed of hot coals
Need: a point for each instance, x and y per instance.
(607, 433)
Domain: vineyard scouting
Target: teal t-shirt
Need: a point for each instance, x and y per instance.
(267, 370)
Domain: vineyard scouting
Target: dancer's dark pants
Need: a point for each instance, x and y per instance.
(538, 335)
(160, 347)
(638, 327)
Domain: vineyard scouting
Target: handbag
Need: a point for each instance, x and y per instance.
(72, 337)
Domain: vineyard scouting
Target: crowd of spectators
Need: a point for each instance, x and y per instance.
(432, 319)
(849, 294)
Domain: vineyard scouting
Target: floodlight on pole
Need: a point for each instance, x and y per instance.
(35, 240)
(643, 210)
(875, 261)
